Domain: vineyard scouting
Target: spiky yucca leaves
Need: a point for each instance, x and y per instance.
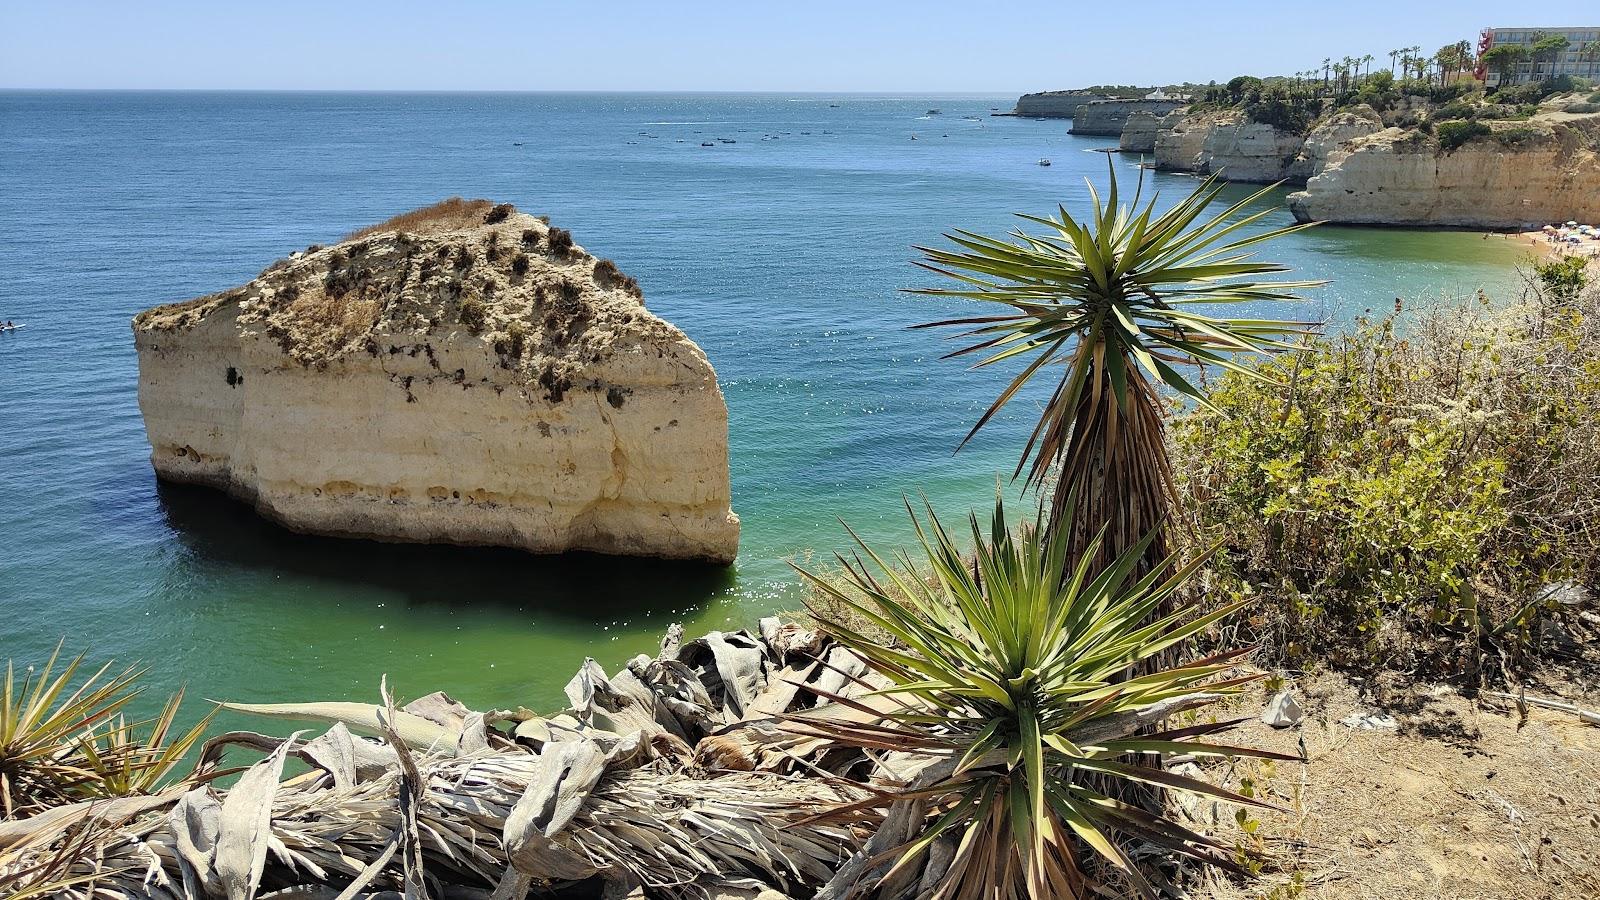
(60, 743)
(1014, 674)
(1117, 301)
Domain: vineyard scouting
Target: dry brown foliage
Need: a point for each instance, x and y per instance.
(446, 215)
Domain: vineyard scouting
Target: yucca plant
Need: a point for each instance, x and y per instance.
(1013, 673)
(1118, 303)
(125, 759)
(60, 743)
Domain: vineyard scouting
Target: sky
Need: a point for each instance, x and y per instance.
(682, 45)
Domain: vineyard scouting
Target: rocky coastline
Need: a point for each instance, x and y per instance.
(1109, 117)
(1354, 168)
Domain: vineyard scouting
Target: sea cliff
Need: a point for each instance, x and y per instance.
(1226, 143)
(1514, 177)
(1107, 117)
(1053, 104)
(464, 374)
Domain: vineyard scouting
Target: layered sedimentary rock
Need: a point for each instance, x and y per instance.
(1053, 104)
(1139, 132)
(1339, 129)
(1180, 139)
(464, 374)
(1106, 117)
(1536, 174)
(1226, 143)
(1240, 150)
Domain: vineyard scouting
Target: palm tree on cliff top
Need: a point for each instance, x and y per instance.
(1119, 303)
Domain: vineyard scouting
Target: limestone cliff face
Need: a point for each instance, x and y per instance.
(1338, 130)
(1106, 117)
(1179, 140)
(1053, 104)
(1240, 150)
(1139, 132)
(1228, 144)
(444, 378)
(1548, 172)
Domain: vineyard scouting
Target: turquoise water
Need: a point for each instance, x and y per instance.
(782, 254)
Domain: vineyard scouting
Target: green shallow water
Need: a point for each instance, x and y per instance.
(782, 254)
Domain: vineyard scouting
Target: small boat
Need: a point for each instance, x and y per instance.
(17, 327)
(516, 143)
(932, 112)
(707, 144)
(1044, 162)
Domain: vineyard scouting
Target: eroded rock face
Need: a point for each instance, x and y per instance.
(1395, 177)
(1248, 151)
(1053, 104)
(446, 379)
(1339, 129)
(1139, 132)
(1106, 117)
(1225, 143)
(1180, 139)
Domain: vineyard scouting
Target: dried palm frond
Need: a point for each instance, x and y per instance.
(1013, 677)
(449, 802)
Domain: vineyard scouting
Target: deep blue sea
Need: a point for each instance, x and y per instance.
(783, 254)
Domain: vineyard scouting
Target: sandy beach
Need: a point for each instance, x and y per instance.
(1540, 242)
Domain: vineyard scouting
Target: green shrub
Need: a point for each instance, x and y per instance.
(1242, 86)
(1563, 279)
(1454, 134)
(1282, 112)
(1594, 97)
(472, 314)
(1517, 137)
(1400, 503)
(1457, 109)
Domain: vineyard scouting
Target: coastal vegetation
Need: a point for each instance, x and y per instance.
(1413, 85)
(965, 718)
(1408, 499)
(1017, 669)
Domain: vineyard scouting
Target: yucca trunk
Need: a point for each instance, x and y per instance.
(1114, 474)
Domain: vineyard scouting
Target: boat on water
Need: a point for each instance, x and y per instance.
(12, 327)
(707, 144)
(933, 112)
(1044, 162)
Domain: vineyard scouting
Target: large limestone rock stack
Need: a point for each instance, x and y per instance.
(461, 374)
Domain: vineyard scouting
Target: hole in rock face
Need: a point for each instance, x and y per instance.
(234, 378)
(616, 398)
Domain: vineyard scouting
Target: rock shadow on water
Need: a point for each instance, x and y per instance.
(217, 530)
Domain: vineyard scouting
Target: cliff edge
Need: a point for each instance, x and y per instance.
(1511, 175)
(461, 374)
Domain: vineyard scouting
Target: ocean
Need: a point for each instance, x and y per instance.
(783, 252)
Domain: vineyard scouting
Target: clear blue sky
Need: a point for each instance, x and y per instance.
(755, 45)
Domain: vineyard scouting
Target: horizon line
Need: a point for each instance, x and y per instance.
(298, 90)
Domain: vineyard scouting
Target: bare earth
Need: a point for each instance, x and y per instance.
(1456, 802)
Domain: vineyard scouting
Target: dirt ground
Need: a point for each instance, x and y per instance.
(1460, 800)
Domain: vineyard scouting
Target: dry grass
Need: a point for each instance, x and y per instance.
(337, 320)
(446, 215)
